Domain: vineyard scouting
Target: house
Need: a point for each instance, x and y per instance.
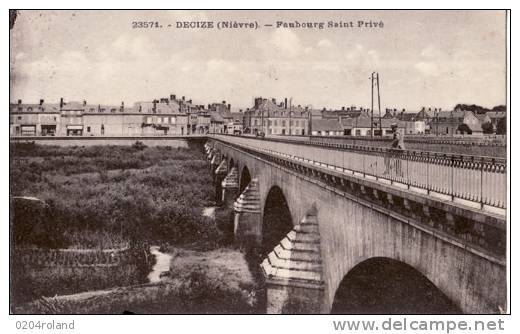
(277, 119)
(456, 122)
(216, 123)
(72, 118)
(362, 125)
(34, 119)
(326, 127)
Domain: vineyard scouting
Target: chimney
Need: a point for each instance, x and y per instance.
(122, 106)
(154, 109)
(229, 106)
(84, 102)
(342, 108)
(189, 101)
(19, 101)
(61, 102)
(41, 101)
(183, 98)
(172, 97)
(223, 102)
(285, 103)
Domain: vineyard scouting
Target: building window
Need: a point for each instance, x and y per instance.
(88, 128)
(149, 120)
(102, 129)
(19, 118)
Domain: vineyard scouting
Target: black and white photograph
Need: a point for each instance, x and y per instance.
(259, 162)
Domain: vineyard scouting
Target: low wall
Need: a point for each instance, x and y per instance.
(173, 141)
(72, 257)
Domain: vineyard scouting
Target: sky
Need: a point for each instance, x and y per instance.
(424, 58)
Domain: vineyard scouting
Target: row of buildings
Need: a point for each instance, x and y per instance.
(282, 118)
(180, 116)
(165, 116)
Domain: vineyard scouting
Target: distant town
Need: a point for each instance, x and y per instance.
(176, 115)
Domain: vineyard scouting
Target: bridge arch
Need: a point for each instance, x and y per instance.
(232, 163)
(277, 220)
(245, 178)
(381, 285)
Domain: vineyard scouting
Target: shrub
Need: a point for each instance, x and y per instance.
(139, 146)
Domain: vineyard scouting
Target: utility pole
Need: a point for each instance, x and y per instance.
(379, 107)
(310, 121)
(372, 106)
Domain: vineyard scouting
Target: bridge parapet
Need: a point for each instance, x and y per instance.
(475, 181)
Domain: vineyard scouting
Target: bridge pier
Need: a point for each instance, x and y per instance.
(293, 271)
(220, 174)
(230, 188)
(248, 217)
(215, 161)
(211, 152)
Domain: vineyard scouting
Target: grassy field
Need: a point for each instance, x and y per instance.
(102, 196)
(107, 197)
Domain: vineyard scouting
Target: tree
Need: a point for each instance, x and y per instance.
(502, 126)
(471, 107)
(487, 128)
(464, 129)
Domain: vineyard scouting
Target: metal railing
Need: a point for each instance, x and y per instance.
(475, 181)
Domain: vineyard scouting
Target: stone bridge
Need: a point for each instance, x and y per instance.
(317, 215)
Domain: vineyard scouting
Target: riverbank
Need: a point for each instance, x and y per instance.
(197, 282)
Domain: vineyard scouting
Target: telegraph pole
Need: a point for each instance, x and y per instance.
(372, 107)
(379, 107)
(310, 121)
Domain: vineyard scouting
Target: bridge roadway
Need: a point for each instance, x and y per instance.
(441, 215)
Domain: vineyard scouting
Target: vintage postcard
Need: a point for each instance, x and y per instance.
(259, 162)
